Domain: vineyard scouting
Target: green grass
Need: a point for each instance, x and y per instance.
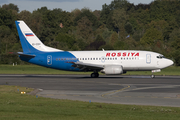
(14, 106)
(34, 69)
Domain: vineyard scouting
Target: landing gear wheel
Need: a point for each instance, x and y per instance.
(95, 75)
(152, 76)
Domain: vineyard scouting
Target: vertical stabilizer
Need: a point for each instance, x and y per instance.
(29, 41)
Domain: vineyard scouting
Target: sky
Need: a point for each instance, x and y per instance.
(65, 5)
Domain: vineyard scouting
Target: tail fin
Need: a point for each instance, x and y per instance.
(29, 41)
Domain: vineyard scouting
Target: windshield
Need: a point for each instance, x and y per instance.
(160, 57)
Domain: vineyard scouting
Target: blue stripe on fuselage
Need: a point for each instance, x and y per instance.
(41, 59)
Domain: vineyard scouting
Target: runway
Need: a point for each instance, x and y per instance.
(136, 90)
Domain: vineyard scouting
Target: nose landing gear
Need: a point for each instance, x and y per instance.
(152, 76)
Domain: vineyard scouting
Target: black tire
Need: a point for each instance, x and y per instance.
(93, 75)
(97, 75)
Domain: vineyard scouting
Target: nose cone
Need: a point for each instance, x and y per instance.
(172, 63)
(165, 63)
(169, 62)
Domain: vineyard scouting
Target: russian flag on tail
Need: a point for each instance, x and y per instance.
(28, 34)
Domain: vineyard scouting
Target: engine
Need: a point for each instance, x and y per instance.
(113, 70)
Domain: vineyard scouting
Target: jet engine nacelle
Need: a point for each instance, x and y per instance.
(113, 70)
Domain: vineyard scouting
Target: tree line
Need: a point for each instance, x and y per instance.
(118, 26)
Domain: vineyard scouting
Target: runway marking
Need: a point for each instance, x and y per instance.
(127, 96)
(168, 86)
(63, 95)
(144, 97)
(50, 95)
(89, 95)
(115, 96)
(115, 91)
(76, 95)
(154, 97)
(141, 96)
(167, 97)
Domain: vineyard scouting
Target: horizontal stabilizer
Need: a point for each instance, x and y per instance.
(26, 55)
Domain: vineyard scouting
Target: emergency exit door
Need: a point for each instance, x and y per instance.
(49, 60)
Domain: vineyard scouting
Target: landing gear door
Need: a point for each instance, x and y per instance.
(49, 60)
(148, 58)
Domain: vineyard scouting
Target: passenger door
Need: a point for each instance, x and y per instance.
(148, 58)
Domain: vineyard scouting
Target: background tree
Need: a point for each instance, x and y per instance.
(84, 30)
(153, 26)
(119, 19)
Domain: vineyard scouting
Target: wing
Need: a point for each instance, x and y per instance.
(87, 66)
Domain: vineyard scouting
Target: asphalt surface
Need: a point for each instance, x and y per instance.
(136, 90)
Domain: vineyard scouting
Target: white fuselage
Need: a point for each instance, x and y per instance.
(129, 59)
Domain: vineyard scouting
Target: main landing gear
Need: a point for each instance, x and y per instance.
(95, 75)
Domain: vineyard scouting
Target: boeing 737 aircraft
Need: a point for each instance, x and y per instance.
(114, 62)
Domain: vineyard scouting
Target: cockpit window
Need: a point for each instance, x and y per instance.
(160, 57)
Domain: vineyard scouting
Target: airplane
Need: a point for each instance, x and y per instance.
(110, 62)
